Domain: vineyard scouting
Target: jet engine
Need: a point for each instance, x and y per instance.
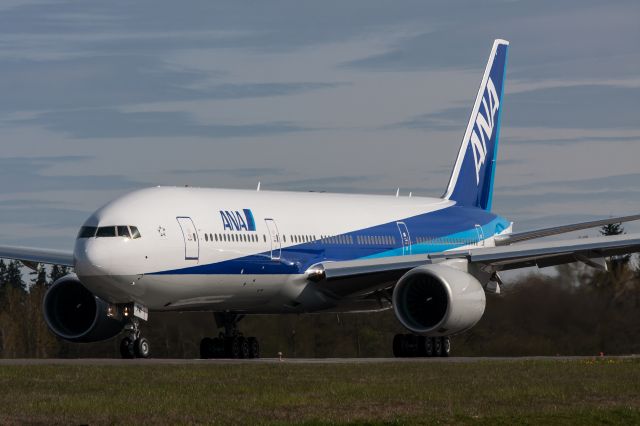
(438, 300)
(73, 313)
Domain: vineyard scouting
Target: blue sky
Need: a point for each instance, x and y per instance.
(99, 98)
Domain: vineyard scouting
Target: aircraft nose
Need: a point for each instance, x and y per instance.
(91, 259)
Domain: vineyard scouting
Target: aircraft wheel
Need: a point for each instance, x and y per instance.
(244, 347)
(142, 348)
(217, 347)
(232, 347)
(428, 347)
(254, 347)
(126, 348)
(446, 347)
(437, 346)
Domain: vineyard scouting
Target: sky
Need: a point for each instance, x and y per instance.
(101, 98)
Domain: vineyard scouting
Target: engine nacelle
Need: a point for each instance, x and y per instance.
(73, 313)
(438, 300)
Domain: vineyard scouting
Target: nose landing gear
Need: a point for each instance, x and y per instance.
(134, 345)
(230, 343)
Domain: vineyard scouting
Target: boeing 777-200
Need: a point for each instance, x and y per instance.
(241, 252)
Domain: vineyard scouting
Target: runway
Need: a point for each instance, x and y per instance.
(165, 361)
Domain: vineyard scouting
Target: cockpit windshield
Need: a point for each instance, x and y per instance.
(125, 231)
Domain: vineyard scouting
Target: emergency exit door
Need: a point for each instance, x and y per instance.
(405, 238)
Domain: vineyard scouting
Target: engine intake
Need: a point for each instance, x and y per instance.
(438, 300)
(73, 313)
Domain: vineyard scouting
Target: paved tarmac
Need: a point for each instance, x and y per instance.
(163, 361)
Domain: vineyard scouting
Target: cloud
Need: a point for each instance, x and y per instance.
(33, 177)
(109, 123)
(100, 81)
(236, 173)
(604, 183)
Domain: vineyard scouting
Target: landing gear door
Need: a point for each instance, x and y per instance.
(274, 237)
(190, 236)
(405, 238)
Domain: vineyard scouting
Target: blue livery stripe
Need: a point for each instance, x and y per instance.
(251, 224)
(455, 224)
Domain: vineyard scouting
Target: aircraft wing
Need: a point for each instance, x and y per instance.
(30, 256)
(506, 239)
(361, 277)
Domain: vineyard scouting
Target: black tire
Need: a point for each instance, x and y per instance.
(437, 346)
(142, 347)
(398, 345)
(428, 347)
(254, 347)
(244, 348)
(217, 348)
(411, 345)
(446, 347)
(232, 347)
(206, 346)
(126, 349)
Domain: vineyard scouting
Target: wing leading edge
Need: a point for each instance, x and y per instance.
(31, 255)
(503, 240)
(351, 278)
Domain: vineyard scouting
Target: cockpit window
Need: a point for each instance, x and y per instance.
(109, 231)
(123, 231)
(134, 232)
(106, 231)
(87, 232)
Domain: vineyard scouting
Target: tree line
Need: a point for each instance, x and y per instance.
(577, 311)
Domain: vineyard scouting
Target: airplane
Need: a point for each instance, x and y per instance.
(245, 252)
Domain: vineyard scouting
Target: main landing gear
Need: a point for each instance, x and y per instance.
(230, 343)
(134, 345)
(411, 345)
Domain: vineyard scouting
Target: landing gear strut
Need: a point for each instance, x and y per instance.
(134, 345)
(411, 345)
(230, 343)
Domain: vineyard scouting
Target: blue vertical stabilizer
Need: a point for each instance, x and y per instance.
(471, 182)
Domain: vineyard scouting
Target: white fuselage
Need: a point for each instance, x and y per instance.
(248, 250)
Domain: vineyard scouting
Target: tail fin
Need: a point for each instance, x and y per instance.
(471, 181)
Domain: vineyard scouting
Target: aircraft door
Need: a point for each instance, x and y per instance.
(274, 237)
(480, 233)
(405, 238)
(190, 236)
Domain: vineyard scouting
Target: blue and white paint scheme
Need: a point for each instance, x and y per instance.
(225, 266)
(259, 252)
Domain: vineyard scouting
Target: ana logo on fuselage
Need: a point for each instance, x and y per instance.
(233, 220)
(484, 126)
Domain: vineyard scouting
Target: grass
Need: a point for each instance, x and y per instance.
(515, 392)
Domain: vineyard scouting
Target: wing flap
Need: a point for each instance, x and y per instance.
(31, 255)
(555, 252)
